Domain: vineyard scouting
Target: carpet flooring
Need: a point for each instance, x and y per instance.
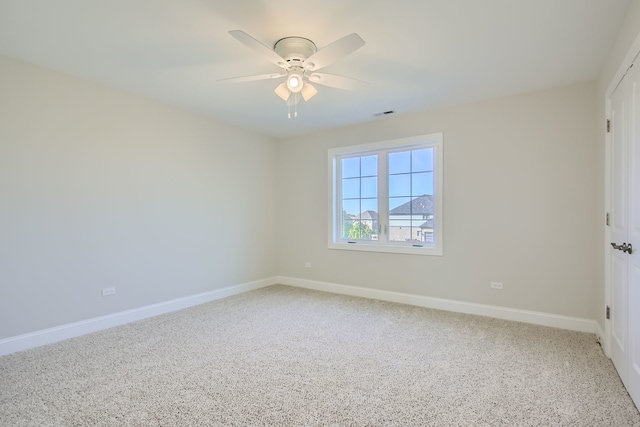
(282, 356)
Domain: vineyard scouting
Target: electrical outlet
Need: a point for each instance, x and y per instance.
(307, 264)
(108, 291)
(496, 285)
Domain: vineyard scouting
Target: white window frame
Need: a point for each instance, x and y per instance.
(435, 141)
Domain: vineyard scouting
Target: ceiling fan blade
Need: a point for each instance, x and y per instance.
(334, 51)
(339, 82)
(252, 78)
(262, 49)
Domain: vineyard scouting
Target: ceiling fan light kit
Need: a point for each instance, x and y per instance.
(294, 81)
(308, 91)
(300, 58)
(282, 91)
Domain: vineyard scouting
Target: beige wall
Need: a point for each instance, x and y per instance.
(628, 34)
(518, 205)
(100, 188)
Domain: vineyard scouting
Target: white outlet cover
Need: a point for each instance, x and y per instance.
(496, 285)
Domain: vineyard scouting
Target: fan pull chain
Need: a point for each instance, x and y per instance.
(293, 100)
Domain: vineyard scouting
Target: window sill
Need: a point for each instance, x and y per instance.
(407, 250)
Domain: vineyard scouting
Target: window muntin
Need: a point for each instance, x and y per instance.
(387, 196)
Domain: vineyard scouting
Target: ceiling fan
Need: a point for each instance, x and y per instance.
(300, 59)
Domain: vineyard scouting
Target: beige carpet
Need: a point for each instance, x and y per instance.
(282, 356)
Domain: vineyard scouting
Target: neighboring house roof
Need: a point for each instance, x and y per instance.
(419, 205)
(369, 215)
(427, 224)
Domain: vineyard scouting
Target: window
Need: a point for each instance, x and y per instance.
(387, 196)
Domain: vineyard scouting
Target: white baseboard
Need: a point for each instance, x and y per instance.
(71, 330)
(533, 317)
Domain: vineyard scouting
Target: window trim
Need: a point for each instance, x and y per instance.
(434, 140)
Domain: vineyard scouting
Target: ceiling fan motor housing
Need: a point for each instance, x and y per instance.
(295, 49)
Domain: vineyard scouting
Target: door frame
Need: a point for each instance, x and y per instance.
(605, 336)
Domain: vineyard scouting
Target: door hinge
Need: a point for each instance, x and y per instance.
(608, 313)
(607, 220)
(608, 125)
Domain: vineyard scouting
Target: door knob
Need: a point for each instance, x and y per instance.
(623, 247)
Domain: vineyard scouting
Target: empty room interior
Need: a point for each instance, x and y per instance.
(357, 213)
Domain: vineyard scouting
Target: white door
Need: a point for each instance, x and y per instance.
(619, 229)
(633, 281)
(625, 231)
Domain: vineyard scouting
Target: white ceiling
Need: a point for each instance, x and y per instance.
(419, 54)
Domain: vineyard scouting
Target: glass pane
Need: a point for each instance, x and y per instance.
(351, 188)
(355, 231)
(370, 187)
(418, 223)
(422, 183)
(369, 218)
(359, 197)
(350, 167)
(347, 225)
(400, 162)
(422, 206)
(361, 230)
(399, 185)
(352, 208)
(426, 224)
(428, 237)
(399, 205)
(369, 165)
(370, 205)
(415, 236)
(422, 160)
(399, 231)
